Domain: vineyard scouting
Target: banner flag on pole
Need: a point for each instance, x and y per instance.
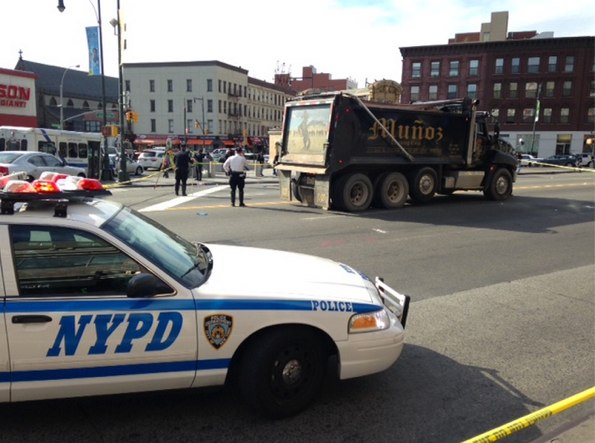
(537, 106)
(93, 44)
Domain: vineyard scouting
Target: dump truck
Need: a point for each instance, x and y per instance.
(341, 152)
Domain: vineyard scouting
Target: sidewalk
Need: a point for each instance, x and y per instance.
(577, 431)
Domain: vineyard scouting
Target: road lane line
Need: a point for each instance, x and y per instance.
(181, 200)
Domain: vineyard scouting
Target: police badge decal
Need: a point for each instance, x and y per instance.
(217, 329)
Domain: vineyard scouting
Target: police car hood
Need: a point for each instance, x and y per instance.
(244, 271)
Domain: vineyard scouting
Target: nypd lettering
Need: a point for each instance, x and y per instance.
(135, 326)
(339, 306)
(217, 329)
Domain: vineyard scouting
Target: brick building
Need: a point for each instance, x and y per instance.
(311, 79)
(539, 88)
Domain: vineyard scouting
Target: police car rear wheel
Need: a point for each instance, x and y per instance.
(282, 372)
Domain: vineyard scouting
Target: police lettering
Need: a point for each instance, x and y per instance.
(135, 326)
(340, 306)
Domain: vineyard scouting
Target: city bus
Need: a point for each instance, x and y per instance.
(76, 148)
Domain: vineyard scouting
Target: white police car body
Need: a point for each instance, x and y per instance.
(99, 299)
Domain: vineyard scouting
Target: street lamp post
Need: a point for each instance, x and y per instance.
(123, 172)
(202, 105)
(106, 173)
(62, 95)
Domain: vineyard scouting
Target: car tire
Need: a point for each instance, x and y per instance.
(499, 186)
(392, 190)
(282, 371)
(354, 192)
(423, 185)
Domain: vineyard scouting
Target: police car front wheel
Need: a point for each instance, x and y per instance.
(282, 371)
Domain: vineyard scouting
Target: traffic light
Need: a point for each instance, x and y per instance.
(129, 116)
(115, 131)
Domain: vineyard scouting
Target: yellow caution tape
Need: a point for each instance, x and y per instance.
(531, 419)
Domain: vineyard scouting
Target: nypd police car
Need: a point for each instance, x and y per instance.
(99, 299)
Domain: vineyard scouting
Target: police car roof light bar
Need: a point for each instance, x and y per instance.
(58, 190)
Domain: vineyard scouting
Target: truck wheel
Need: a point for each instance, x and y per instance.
(423, 185)
(282, 372)
(392, 190)
(356, 192)
(499, 186)
(295, 189)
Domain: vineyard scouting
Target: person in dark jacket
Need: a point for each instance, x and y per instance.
(182, 161)
(199, 158)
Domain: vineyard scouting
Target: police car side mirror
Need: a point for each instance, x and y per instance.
(146, 285)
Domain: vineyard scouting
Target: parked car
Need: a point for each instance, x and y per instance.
(34, 163)
(151, 158)
(584, 160)
(561, 160)
(530, 160)
(132, 166)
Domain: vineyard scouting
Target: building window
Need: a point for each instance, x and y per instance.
(210, 85)
(209, 105)
(453, 70)
(151, 105)
(499, 68)
(452, 91)
(435, 69)
(414, 93)
(563, 142)
(552, 63)
(567, 88)
(592, 88)
(433, 92)
(473, 67)
(170, 125)
(495, 114)
(515, 65)
(564, 114)
(510, 114)
(170, 86)
(151, 85)
(497, 90)
(513, 90)
(533, 65)
(531, 90)
(127, 85)
(472, 90)
(591, 115)
(416, 70)
(547, 115)
(188, 105)
(153, 125)
(170, 106)
(569, 65)
(549, 89)
(528, 115)
(188, 85)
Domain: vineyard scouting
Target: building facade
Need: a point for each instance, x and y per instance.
(313, 80)
(81, 99)
(540, 89)
(199, 102)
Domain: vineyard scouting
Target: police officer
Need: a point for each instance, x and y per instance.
(182, 162)
(235, 167)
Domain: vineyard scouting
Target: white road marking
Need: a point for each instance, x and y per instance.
(181, 200)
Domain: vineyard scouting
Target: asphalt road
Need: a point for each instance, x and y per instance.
(502, 320)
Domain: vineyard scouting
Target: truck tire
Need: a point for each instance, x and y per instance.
(355, 192)
(499, 186)
(424, 183)
(392, 190)
(282, 371)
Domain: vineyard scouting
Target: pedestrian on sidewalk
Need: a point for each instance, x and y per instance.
(199, 157)
(182, 163)
(235, 167)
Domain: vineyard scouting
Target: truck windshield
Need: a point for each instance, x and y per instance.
(308, 129)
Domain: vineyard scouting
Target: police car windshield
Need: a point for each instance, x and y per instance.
(173, 254)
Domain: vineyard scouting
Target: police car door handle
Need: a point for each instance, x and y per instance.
(31, 319)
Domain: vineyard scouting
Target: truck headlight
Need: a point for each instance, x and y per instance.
(368, 322)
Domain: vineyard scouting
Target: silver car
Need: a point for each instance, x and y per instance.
(34, 163)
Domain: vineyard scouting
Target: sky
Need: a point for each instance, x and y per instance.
(356, 39)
